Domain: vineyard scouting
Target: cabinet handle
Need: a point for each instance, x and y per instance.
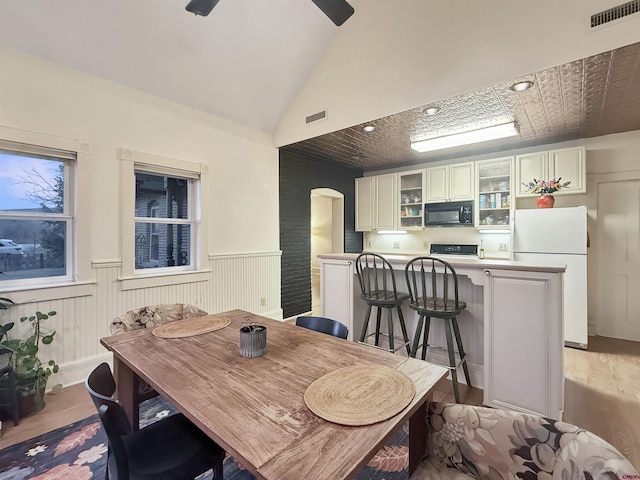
(487, 272)
(349, 262)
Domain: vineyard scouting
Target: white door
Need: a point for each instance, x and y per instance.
(619, 260)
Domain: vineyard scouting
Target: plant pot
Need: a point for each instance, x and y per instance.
(546, 201)
(253, 340)
(33, 401)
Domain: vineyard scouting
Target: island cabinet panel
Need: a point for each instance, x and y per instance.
(523, 342)
(336, 291)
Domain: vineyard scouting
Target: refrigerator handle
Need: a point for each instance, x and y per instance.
(588, 240)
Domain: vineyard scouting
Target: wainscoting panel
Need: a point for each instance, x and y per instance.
(84, 312)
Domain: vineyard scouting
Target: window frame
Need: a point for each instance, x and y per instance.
(133, 162)
(67, 152)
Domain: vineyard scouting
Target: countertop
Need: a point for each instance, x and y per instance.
(398, 261)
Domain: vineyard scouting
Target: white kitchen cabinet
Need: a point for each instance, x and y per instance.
(450, 182)
(411, 199)
(386, 211)
(336, 291)
(493, 208)
(523, 367)
(378, 200)
(365, 207)
(567, 163)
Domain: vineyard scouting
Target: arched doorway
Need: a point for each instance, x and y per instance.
(327, 233)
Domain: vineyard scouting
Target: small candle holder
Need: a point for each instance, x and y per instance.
(253, 340)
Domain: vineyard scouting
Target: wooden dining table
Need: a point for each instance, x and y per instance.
(254, 408)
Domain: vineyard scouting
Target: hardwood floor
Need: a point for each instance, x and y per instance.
(602, 394)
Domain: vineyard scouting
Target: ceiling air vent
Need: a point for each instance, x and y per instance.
(615, 13)
(319, 116)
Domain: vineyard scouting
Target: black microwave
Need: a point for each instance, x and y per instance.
(448, 214)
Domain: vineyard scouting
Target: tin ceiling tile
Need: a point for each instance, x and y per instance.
(589, 97)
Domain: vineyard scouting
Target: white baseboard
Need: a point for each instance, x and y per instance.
(73, 373)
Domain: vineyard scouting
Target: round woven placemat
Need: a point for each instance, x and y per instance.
(190, 327)
(360, 394)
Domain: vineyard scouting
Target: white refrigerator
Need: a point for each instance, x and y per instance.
(558, 236)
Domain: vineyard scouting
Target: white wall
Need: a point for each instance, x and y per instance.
(391, 56)
(241, 209)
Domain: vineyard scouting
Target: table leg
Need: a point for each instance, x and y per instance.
(417, 437)
(126, 391)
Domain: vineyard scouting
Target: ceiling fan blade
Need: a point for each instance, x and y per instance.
(201, 7)
(337, 10)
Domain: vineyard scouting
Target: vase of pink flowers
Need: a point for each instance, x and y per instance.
(545, 189)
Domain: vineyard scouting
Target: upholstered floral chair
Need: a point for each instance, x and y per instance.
(484, 443)
(150, 317)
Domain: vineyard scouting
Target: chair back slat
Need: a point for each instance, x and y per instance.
(421, 274)
(375, 275)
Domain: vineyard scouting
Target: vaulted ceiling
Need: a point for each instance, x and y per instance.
(249, 61)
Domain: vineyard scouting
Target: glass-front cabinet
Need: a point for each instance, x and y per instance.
(494, 193)
(411, 191)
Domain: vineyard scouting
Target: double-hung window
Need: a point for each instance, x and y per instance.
(165, 223)
(163, 235)
(36, 214)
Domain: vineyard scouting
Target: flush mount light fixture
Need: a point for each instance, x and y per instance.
(465, 138)
(521, 86)
(368, 128)
(432, 110)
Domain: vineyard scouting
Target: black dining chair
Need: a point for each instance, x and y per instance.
(170, 449)
(378, 289)
(323, 325)
(9, 393)
(433, 286)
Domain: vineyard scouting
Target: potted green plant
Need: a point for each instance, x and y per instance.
(31, 372)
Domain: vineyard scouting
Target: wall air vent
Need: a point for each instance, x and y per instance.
(615, 13)
(319, 116)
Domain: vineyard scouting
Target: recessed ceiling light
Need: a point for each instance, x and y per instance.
(432, 110)
(521, 86)
(368, 128)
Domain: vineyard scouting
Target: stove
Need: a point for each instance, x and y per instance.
(454, 250)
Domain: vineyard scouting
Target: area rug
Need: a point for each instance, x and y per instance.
(79, 452)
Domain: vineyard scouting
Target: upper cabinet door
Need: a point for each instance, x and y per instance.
(461, 180)
(437, 184)
(386, 206)
(365, 203)
(450, 182)
(411, 199)
(529, 167)
(569, 164)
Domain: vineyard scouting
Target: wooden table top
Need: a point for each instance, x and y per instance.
(254, 407)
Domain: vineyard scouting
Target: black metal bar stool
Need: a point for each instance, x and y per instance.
(378, 287)
(430, 301)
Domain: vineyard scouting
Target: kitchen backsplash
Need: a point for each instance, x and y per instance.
(496, 245)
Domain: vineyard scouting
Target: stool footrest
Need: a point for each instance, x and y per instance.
(400, 345)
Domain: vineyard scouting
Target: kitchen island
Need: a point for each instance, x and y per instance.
(511, 328)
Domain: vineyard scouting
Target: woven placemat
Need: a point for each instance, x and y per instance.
(360, 394)
(191, 326)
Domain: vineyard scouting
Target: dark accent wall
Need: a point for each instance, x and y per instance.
(298, 176)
